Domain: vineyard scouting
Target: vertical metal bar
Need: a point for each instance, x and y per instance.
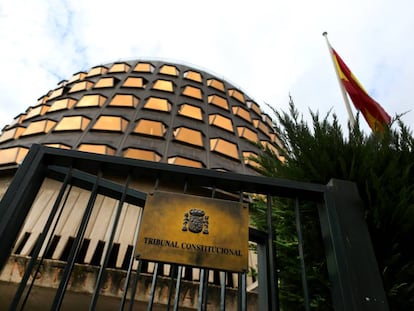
(206, 276)
(39, 244)
(60, 293)
(201, 290)
(109, 245)
(134, 286)
(242, 292)
(263, 288)
(178, 288)
(222, 290)
(153, 285)
(273, 283)
(301, 256)
(170, 289)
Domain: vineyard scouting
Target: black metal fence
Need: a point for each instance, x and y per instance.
(353, 273)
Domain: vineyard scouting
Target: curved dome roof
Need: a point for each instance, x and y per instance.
(148, 110)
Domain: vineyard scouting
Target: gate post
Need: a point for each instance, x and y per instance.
(353, 270)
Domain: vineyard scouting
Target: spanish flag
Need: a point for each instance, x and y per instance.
(373, 113)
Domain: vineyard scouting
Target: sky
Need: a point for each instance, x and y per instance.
(268, 49)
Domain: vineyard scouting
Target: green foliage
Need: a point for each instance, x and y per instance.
(381, 165)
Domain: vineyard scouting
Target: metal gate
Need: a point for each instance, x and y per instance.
(354, 277)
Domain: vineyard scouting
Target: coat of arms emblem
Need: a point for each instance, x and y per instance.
(195, 221)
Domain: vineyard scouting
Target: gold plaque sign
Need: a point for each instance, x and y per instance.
(195, 231)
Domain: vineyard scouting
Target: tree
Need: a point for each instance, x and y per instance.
(381, 164)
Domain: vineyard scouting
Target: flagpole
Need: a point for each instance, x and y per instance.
(345, 97)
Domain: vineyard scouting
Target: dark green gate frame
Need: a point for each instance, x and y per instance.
(355, 279)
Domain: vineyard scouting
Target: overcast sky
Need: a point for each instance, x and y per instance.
(269, 49)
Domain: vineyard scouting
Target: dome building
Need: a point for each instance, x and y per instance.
(145, 110)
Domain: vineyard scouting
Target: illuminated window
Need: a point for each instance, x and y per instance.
(189, 136)
(42, 99)
(39, 127)
(267, 145)
(249, 159)
(247, 134)
(81, 86)
(61, 104)
(190, 111)
(105, 82)
(218, 85)
(119, 67)
(142, 154)
(134, 82)
(261, 126)
(267, 120)
(37, 111)
(169, 70)
(124, 100)
(242, 113)
(110, 123)
(218, 101)
(56, 93)
(220, 121)
(13, 133)
(193, 92)
(237, 95)
(102, 149)
(149, 127)
(72, 123)
(17, 120)
(193, 75)
(255, 107)
(144, 67)
(77, 77)
(185, 162)
(91, 101)
(163, 85)
(14, 155)
(160, 104)
(59, 146)
(224, 147)
(99, 70)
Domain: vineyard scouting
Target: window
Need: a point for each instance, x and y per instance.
(247, 134)
(163, 85)
(188, 136)
(72, 123)
(248, 159)
(242, 113)
(17, 120)
(105, 82)
(56, 93)
(224, 147)
(268, 145)
(144, 67)
(13, 133)
(77, 77)
(91, 101)
(61, 104)
(110, 123)
(124, 100)
(149, 127)
(193, 92)
(36, 111)
(81, 86)
(261, 126)
(255, 107)
(39, 127)
(237, 95)
(119, 67)
(169, 70)
(102, 149)
(160, 104)
(185, 162)
(218, 101)
(267, 120)
(193, 75)
(190, 111)
(13, 155)
(42, 99)
(134, 82)
(142, 154)
(218, 85)
(99, 70)
(220, 121)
